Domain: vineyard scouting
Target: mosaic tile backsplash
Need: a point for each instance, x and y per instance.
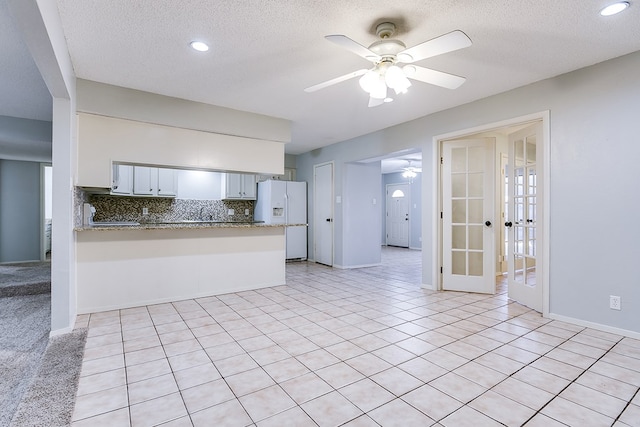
(120, 208)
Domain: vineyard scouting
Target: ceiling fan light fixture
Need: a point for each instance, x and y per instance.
(199, 46)
(379, 89)
(614, 8)
(368, 80)
(396, 80)
(409, 173)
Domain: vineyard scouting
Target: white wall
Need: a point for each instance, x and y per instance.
(199, 185)
(19, 211)
(362, 215)
(593, 181)
(115, 101)
(25, 139)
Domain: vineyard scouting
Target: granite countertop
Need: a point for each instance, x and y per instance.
(178, 225)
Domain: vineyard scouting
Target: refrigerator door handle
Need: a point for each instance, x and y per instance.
(286, 208)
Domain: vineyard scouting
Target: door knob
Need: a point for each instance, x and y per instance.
(328, 220)
(508, 224)
(487, 223)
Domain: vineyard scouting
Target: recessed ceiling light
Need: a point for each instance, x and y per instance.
(614, 8)
(387, 100)
(199, 46)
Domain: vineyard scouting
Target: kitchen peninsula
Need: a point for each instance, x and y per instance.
(129, 266)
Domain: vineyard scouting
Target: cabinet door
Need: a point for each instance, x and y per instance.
(232, 186)
(249, 187)
(167, 182)
(145, 180)
(122, 179)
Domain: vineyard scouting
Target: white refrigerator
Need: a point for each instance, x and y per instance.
(285, 202)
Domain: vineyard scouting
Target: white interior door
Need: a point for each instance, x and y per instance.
(397, 223)
(522, 219)
(323, 213)
(468, 205)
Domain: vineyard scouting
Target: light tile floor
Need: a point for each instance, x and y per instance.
(362, 347)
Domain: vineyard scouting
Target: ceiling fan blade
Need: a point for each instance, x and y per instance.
(336, 80)
(438, 78)
(446, 43)
(353, 46)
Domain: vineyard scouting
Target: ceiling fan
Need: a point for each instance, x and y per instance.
(410, 171)
(387, 55)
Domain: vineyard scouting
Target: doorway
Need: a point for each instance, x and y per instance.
(323, 213)
(47, 189)
(397, 215)
(526, 255)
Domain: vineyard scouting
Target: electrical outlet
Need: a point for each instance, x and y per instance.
(145, 211)
(614, 302)
(231, 212)
(246, 211)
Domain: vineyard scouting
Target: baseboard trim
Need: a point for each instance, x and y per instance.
(61, 331)
(349, 267)
(597, 326)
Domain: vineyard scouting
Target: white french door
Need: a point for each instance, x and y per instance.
(521, 220)
(323, 213)
(397, 223)
(468, 205)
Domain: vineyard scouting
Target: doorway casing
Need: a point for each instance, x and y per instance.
(543, 273)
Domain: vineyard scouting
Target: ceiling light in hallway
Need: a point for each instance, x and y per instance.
(199, 46)
(614, 8)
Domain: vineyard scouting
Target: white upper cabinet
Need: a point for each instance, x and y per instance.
(167, 182)
(237, 186)
(122, 179)
(144, 181)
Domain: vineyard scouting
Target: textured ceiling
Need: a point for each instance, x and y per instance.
(264, 53)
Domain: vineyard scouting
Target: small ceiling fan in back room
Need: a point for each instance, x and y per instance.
(388, 55)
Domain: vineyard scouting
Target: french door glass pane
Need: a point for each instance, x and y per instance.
(459, 262)
(475, 237)
(519, 153)
(459, 211)
(476, 159)
(518, 264)
(476, 213)
(459, 185)
(458, 160)
(475, 263)
(459, 237)
(476, 183)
